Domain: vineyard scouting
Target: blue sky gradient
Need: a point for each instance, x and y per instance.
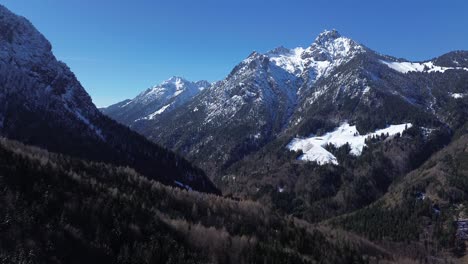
(119, 48)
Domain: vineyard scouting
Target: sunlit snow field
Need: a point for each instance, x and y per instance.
(314, 147)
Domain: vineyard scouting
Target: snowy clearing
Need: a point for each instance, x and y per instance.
(405, 67)
(457, 95)
(314, 147)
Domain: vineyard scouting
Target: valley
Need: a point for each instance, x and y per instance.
(329, 153)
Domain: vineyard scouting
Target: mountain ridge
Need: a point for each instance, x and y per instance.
(243, 125)
(43, 104)
(302, 142)
(280, 88)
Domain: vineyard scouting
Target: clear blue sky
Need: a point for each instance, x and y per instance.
(118, 48)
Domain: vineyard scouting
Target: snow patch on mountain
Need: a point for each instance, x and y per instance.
(255, 83)
(90, 125)
(457, 95)
(185, 186)
(313, 151)
(314, 147)
(262, 79)
(156, 100)
(153, 115)
(124, 105)
(160, 111)
(328, 51)
(76, 112)
(290, 60)
(169, 89)
(405, 67)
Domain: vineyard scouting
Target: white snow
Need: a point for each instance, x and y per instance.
(183, 185)
(405, 67)
(129, 102)
(89, 124)
(313, 151)
(329, 51)
(160, 111)
(175, 89)
(457, 95)
(179, 84)
(255, 84)
(290, 60)
(427, 131)
(366, 90)
(153, 115)
(176, 93)
(333, 50)
(421, 196)
(314, 147)
(67, 97)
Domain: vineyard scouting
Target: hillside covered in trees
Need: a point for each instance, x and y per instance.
(333, 153)
(57, 209)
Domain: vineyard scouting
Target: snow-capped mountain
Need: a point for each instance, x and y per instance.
(256, 100)
(327, 52)
(312, 133)
(157, 100)
(42, 103)
(290, 69)
(297, 92)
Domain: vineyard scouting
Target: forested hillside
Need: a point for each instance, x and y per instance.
(421, 208)
(57, 209)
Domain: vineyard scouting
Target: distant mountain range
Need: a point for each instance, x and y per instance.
(299, 91)
(158, 100)
(365, 119)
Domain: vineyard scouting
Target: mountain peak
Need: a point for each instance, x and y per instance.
(254, 54)
(279, 51)
(21, 41)
(327, 35)
(175, 79)
(180, 82)
(331, 46)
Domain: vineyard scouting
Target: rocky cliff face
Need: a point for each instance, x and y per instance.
(42, 103)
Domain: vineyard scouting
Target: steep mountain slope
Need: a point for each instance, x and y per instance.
(241, 129)
(158, 100)
(251, 106)
(368, 93)
(302, 91)
(42, 103)
(57, 209)
(374, 91)
(424, 204)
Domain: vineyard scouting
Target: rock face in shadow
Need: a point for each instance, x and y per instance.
(42, 103)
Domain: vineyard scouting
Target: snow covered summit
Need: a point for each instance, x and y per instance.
(157, 100)
(173, 87)
(328, 51)
(287, 92)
